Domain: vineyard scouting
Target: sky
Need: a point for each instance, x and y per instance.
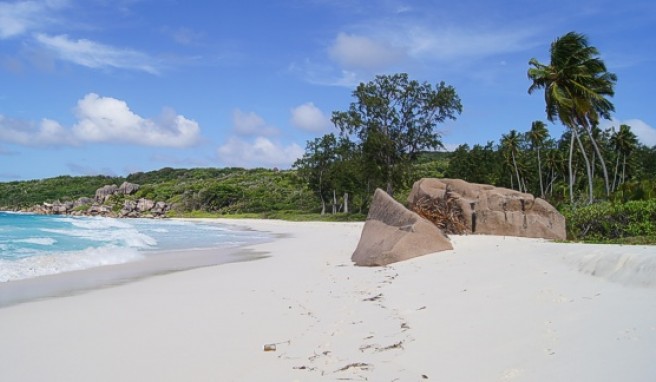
(115, 87)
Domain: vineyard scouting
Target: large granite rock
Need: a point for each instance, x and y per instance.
(103, 193)
(127, 188)
(393, 233)
(485, 209)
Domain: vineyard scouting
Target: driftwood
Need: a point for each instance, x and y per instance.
(445, 213)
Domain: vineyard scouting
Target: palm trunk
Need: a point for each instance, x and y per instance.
(540, 174)
(587, 169)
(617, 167)
(571, 175)
(601, 159)
(519, 181)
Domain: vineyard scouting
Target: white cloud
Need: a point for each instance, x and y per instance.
(103, 120)
(456, 43)
(106, 119)
(251, 124)
(96, 55)
(309, 117)
(361, 52)
(20, 17)
(46, 133)
(260, 152)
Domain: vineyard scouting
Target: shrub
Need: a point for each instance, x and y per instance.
(604, 221)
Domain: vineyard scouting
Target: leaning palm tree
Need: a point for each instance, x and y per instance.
(576, 86)
(537, 135)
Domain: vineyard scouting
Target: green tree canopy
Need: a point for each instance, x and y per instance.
(394, 119)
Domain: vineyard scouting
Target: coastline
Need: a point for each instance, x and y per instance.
(494, 308)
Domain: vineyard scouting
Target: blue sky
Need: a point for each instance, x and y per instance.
(114, 87)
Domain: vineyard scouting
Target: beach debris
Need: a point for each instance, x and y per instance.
(315, 356)
(358, 365)
(273, 346)
(398, 345)
(374, 298)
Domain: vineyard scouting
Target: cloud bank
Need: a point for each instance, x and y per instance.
(258, 152)
(104, 120)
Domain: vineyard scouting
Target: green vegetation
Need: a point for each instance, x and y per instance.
(630, 222)
(604, 181)
(63, 188)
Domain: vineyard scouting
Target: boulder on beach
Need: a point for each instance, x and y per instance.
(457, 206)
(393, 233)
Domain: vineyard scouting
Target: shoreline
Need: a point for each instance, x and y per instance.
(494, 308)
(152, 263)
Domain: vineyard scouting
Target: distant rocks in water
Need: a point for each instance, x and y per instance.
(393, 233)
(98, 205)
(457, 206)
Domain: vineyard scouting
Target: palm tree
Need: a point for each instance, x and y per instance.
(510, 142)
(624, 142)
(537, 135)
(576, 84)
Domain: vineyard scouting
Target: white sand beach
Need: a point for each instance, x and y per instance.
(492, 309)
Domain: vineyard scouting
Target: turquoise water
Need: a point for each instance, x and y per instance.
(37, 245)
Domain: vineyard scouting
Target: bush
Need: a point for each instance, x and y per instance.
(611, 221)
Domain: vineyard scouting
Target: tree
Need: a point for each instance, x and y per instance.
(510, 144)
(537, 136)
(394, 119)
(624, 142)
(316, 165)
(576, 86)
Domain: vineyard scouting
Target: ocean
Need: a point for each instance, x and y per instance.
(38, 245)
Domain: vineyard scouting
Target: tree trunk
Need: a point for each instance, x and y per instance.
(540, 174)
(601, 159)
(334, 202)
(346, 209)
(617, 167)
(623, 169)
(571, 174)
(587, 169)
(323, 206)
(519, 181)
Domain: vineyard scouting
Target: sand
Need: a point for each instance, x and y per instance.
(493, 309)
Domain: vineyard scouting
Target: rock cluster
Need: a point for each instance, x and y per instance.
(437, 207)
(97, 206)
(488, 210)
(393, 233)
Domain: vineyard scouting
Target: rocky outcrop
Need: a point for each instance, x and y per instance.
(127, 188)
(485, 209)
(103, 193)
(98, 207)
(393, 233)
